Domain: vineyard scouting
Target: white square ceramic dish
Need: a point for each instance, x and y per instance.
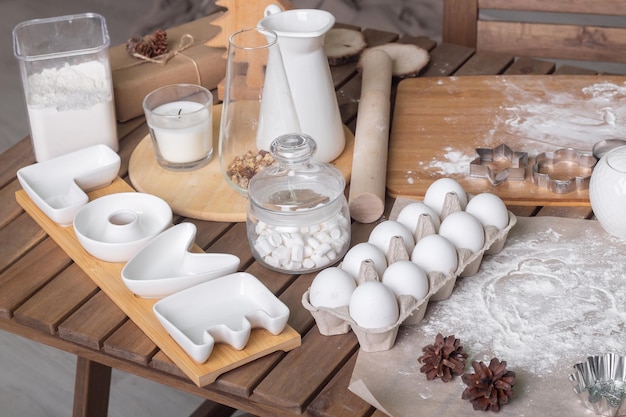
(165, 265)
(223, 310)
(59, 186)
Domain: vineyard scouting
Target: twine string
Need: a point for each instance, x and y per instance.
(185, 42)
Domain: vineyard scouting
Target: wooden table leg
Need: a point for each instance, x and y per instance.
(91, 389)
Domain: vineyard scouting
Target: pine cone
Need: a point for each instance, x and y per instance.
(159, 43)
(131, 44)
(144, 48)
(443, 359)
(490, 386)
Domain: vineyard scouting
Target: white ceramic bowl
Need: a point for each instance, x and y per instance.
(607, 192)
(224, 310)
(115, 227)
(58, 186)
(165, 265)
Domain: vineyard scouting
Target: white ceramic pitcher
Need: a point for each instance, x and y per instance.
(301, 40)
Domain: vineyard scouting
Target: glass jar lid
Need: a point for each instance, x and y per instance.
(295, 183)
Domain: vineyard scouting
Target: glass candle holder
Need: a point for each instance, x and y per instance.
(181, 125)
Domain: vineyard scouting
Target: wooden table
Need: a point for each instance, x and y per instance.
(45, 297)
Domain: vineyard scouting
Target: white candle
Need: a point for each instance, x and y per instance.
(183, 131)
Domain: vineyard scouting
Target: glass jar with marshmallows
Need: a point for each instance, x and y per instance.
(297, 218)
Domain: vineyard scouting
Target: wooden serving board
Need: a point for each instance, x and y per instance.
(439, 122)
(203, 193)
(107, 276)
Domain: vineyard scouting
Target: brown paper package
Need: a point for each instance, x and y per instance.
(133, 78)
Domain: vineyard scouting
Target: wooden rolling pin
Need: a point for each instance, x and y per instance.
(369, 164)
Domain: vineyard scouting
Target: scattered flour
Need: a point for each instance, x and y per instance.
(542, 120)
(455, 162)
(560, 119)
(554, 295)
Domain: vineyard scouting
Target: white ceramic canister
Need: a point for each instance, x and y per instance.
(301, 40)
(607, 192)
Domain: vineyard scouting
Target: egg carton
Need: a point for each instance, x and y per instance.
(334, 321)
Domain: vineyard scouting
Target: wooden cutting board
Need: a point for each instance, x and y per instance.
(107, 276)
(204, 193)
(439, 122)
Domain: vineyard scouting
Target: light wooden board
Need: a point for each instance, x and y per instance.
(203, 193)
(107, 276)
(438, 121)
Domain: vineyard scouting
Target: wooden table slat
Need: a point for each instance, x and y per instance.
(292, 385)
(93, 322)
(40, 265)
(335, 400)
(128, 342)
(163, 363)
(10, 208)
(486, 63)
(56, 300)
(446, 59)
(208, 232)
(235, 242)
(573, 70)
(276, 282)
(374, 37)
(17, 238)
(525, 65)
(18, 156)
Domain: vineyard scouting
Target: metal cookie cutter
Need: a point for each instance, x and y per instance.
(483, 165)
(544, 173)
(604, 146)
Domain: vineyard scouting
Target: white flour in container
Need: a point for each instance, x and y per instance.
(71, 108)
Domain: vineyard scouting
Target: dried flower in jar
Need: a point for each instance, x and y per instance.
(245, 166)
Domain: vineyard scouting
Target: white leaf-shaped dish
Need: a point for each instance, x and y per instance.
(114, 228)
(224, 310)
(59, 186)
(165, 265)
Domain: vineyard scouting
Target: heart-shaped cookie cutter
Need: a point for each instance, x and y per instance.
(481, 167)
(544, 166)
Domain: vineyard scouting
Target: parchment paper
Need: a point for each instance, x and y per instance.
(573, 290)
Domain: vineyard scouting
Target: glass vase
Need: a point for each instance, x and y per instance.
(257, 106)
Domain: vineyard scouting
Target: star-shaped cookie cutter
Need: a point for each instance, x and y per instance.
(544, 166)
(482, 166)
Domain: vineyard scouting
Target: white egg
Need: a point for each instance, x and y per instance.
(381, 235)
(373, 305)
(463, 230)
(489, 209)
(332, 287)
(409, 215)
(406, 278)
(360, 252)
(436, 193)
(435, 253)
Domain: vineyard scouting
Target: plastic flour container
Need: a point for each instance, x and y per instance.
(66, 74)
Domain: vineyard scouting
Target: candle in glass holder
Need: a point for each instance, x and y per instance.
(180, 121)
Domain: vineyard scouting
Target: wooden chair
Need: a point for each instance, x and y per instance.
(549, 35)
